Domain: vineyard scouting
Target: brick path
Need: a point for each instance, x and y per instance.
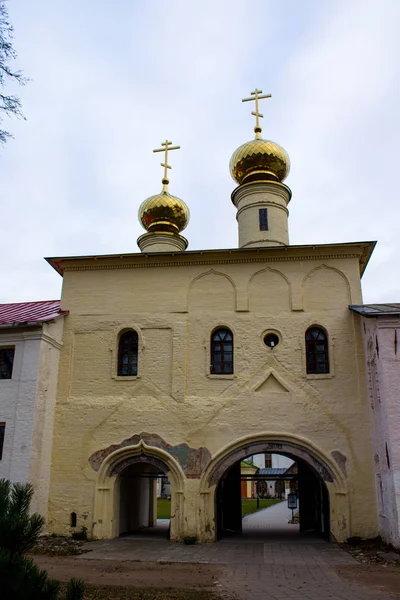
(276, 565)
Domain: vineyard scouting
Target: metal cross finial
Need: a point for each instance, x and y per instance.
(256, 97)
(167, 146)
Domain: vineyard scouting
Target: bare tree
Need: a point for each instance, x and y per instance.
(9, 105)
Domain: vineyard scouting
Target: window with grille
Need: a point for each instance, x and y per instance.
(222, 352)
(317, 350)
(2, 432)
(128, 354)
(263, 219)
(6, 362)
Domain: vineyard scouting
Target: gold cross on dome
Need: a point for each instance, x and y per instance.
(255, 97)
(167, 146)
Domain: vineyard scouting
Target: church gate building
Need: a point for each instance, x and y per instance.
(187, 362)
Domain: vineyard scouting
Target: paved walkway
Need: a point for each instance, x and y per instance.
(289, 567)
(271, 522)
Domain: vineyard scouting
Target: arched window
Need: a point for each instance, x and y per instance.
(222, 352)
(128, 354)
(317, 350)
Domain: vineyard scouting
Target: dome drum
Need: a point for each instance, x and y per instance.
(162, 241)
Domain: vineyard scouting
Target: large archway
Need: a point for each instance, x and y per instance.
(321, 486)
(125, 488)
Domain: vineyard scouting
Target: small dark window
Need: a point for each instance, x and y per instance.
(263, 218)
(6, 362)
(128, 354)
(222, 352)
(73, 519)
(2, 432)
(317, 350)
(271, 340)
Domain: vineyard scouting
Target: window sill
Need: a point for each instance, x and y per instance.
(220, 376)
(318, 375)
(125, 377)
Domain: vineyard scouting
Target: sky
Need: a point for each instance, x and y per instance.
(109, 81)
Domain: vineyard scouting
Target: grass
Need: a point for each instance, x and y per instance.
(249, 505)
(163, 508)
(108, 592)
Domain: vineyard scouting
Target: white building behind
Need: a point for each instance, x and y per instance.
(273, 461)
(30, 342)
(380, 326)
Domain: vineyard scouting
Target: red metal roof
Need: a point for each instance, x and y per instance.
(30, 312)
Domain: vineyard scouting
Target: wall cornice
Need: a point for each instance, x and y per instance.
(13, 336)
(228, 261)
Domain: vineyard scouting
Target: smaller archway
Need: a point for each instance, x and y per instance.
(126, 492)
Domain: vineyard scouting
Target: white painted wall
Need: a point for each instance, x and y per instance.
(27, 402)
(383, 379)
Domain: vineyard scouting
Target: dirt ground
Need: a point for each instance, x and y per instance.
(131, 573)
(382, 578)
(192, 577)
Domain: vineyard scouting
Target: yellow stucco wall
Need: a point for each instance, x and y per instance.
(174, 304)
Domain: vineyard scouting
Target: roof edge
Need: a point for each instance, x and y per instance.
(37, 323)
(361, 309)
(367, 248)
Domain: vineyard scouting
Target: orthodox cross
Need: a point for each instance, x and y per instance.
(167, 146)
(255, 96)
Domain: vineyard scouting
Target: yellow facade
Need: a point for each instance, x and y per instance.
(176, 413)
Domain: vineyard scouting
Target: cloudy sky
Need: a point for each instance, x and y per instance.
(111, 80)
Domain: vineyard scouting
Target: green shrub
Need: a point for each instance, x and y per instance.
(20, 578)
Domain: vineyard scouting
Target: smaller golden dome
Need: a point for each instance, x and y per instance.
(164, 212)
(259, 159)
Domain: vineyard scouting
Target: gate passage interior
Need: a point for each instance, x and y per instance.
(138, 497)
(311, 491)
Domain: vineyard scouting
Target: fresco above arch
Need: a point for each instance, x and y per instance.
(192, 460)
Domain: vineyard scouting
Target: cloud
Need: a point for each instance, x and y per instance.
(112, 80)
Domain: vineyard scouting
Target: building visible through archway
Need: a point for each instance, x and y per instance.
(310, 516)
(315, 480)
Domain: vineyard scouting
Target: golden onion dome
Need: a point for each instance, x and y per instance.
(164, 212)
(259, 159)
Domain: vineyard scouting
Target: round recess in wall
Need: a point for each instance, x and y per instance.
(271, 340)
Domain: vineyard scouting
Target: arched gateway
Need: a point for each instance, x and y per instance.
(321, 486)
(109, 521)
